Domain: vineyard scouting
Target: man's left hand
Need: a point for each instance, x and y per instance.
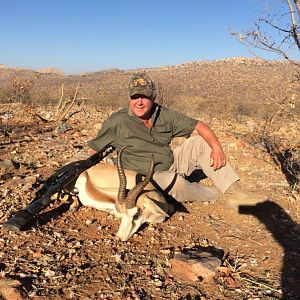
(217, 158)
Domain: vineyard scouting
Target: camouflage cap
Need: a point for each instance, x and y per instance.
(142, 84)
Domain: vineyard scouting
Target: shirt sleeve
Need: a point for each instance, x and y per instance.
(105, 136)
(181, 125)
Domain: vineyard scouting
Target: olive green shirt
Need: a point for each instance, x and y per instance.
(124, 128)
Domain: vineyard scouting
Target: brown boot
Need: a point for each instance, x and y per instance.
(236, 196)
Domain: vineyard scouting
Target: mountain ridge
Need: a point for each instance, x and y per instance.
(232, 81)
(235, 60)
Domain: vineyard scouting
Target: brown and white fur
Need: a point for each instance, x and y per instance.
(105, 187)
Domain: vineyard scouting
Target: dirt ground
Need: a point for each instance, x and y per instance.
(75, 255)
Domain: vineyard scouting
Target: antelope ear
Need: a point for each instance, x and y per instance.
(155, 208)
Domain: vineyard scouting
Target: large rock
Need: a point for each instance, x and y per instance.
(195, 266)
(10, 289)
(8, 164)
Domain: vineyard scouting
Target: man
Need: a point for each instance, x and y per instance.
(148, 129)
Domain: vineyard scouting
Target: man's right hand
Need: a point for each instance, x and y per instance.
(92, 151)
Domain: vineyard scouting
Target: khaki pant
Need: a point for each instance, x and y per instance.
(194, 154)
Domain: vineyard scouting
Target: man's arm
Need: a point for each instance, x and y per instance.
(105, 136)
(92, 151)
(218, 158)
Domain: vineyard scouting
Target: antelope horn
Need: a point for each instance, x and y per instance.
(135, 191)
(122, 177)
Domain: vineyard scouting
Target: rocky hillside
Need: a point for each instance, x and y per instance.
(233, 80)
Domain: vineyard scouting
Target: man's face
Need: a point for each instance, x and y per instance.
(141, 106)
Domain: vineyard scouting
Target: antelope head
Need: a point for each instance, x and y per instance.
(143, 203)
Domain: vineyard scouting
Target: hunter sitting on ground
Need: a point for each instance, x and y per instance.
(148, 128)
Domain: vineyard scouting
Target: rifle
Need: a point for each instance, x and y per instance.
(54, 184)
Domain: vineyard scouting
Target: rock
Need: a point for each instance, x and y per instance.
(195, 266)
(158, 283)
(97, 126)
(165, 251)
(29, 181)
(49, 273)
(62, 128)
(10, 289)
(7, 176)
(9, 164)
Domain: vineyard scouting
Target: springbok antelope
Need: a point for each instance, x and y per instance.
(104, 187)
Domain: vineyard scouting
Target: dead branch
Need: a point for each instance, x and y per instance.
(69, 103)
(256, 39)
(41, 118)
(293, 20)
(297, 4)
(74, 113)
(60, 101)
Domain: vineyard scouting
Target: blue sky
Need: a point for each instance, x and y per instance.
(90, 35)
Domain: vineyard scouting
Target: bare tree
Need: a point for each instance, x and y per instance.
(65, 104)
(278, 31)
(65, 107)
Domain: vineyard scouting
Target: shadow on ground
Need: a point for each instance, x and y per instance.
(46, 216)
(282, 227)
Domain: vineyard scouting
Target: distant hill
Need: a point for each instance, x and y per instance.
(225, 81)
(50, 71)
(19, 69)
